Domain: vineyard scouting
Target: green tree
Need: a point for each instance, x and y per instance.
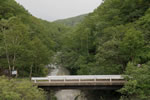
(27, 43)
(19, 90)
(133, 44)
(14, 34)
(138, 82)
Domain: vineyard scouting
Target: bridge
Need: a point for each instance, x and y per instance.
(102, 82)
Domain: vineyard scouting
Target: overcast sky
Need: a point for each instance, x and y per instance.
(59, 9)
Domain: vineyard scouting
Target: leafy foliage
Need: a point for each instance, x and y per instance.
(27, 44)
(72, 21)
(138, 82)
(109, 38)
(116, 34)
(19, 90)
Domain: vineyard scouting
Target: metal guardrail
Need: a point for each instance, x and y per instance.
(78, 78)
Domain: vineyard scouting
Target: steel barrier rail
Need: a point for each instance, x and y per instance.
(78, 78)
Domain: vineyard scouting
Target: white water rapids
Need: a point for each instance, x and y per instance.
(66, 94)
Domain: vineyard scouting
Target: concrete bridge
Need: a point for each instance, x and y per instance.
(102, 82)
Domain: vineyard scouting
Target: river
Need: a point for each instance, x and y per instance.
(66, 94)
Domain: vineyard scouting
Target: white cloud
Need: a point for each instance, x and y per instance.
(59, 9)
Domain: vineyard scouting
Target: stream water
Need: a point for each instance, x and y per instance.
(66, 94)
(57, 70)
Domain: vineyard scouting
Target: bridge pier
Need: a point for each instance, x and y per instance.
(48, 94)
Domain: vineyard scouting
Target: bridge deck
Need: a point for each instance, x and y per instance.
(86, 80)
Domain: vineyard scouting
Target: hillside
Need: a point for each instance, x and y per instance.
(72, 21)
(21, 35)
(27, 45)
(114, 39)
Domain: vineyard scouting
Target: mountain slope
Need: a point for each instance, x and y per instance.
(25, 34)
(72, 21)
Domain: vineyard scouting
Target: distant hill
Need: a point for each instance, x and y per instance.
(71, 21)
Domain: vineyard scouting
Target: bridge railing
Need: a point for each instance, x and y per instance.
(83, 78)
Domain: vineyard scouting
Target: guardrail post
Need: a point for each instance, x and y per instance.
(95, 79)
(79, 80)
(64, 79)
(49, 80)
(110, 80)
(35, 81)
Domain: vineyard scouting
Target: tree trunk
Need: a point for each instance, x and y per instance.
(14, 59)
(87, 43)
(6, 51)
(31, 71)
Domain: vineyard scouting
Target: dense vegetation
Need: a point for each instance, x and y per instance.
(109, 38)
(114, 39)
(72, 21)
(19, 90)
(26, 43)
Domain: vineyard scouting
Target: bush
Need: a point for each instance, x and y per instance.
(11, 89)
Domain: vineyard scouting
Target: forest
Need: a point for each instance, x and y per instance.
(112, 40)
(71, 21)
(26, 43)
